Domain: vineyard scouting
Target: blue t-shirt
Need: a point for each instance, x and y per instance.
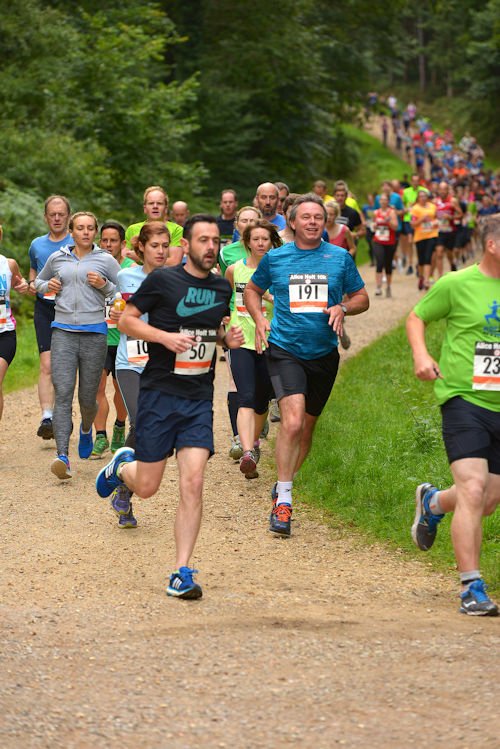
(279, 221)
(396, 202)
(40, 250)
(129, 280)
(306, 335)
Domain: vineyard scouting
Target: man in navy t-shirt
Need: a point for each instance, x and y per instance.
(309, 278)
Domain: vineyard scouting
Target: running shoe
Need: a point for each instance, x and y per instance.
(265, 431)
(85, 444)
(280, 519)
(118, 438)
(60, 467)
(274, 499)
(248, 463)
(475, 602)
(182, 585)
(256, 453)
(100, 445)
(409, 271)
(120, 500)
(424, 528)
(345, 341)
(420, 284)
(388, 292)
(379, 291)
(127, 520)
(274, 411)
(236, 450)
(45, 430)
(107, 479)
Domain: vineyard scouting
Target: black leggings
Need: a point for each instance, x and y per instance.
(425, 248)
(249, 370)
(384, 254)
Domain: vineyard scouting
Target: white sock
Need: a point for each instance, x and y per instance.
(284, 489)
(434, 505)
(47, 413)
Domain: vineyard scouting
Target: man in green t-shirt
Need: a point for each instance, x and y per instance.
(467, 386)
(155, 207)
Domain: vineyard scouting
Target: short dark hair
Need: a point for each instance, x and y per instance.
(309, 197)
(197, 218)
(229, 189)
(114, 225)
(261, 223)
(282, 186)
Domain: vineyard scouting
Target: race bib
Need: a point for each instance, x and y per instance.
(308, 292)
(107, 307)
(197, 360)
(137, 352)
(3, 311)
(239, 289)
(382, 234)
(486, 375)
(444, 224)
(427, 226)
(50, 296)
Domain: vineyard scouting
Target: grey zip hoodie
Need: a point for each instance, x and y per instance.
(79, 303)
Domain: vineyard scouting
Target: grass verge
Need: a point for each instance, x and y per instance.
(23, 372)
(378, 438)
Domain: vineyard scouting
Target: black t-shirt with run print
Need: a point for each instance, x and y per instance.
(177, 302)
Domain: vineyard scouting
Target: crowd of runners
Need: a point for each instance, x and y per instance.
(270, 283)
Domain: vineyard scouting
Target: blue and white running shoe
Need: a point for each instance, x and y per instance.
(424, 528)
(475, 602)
(107, 480)
(182, 585)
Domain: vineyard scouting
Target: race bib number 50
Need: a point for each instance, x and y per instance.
(308, 292)
(196, 360)
(486, 366)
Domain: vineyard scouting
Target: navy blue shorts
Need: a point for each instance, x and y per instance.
(166, 423)
(470, 431)
(8, 342)
(407, 228)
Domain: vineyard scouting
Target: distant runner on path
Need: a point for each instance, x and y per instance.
(467, 386)
(309, 278)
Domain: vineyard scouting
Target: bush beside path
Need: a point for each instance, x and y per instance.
(317, 640)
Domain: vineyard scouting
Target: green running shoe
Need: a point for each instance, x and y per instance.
(101, 444)
(118, 438)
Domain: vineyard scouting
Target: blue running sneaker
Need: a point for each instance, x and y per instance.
(85, 444)
(424, 528)
(127, 520)
(107, 480)
(280, 519)
(120, 500)
(182, 585)
(60, 467)
(274, 498)
(475, 602)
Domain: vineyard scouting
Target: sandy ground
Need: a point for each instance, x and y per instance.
(317, 640)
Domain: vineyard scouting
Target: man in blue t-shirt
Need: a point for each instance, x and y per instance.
(56, 215)
(309, 278)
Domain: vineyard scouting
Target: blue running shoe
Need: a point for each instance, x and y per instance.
(274, 498)
(85, 444)
(280, 519)
(60, 467)
(475, 602)
(424, 528)
(127, 520)
(120, 500)
(182, 585)
(107, 480)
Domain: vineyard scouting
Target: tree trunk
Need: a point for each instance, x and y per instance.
(421, 56)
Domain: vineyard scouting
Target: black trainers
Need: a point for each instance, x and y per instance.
(475, 602)
(45, 430)
(424, 528)
(280, 519)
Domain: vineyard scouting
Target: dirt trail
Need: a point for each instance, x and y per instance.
(314, 641)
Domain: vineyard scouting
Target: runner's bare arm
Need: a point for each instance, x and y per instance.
(355, 303)
(426, 368)
(252, 298)
(131, 324)
(175, 255)
(18, 283)
(232, 337)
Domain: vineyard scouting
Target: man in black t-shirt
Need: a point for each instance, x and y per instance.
(348, 216)
(225, 222)
(185, 306)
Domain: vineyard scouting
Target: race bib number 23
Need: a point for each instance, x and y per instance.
(486, 374)
(308, 292)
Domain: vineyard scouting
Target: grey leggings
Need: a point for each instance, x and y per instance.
(70, 353)
(129, 383)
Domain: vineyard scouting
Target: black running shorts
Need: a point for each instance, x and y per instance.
(313, 378)
(8, 342)
(470, 431)
(43, 317)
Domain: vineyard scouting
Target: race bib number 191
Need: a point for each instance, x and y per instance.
(308, 292)
(196, 360)
(486, 366)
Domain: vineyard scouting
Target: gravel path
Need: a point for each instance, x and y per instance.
(314, 641)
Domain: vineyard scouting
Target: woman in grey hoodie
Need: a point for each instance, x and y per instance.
(82, 277)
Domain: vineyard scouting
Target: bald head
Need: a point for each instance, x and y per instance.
(267, 199)
(180, 212)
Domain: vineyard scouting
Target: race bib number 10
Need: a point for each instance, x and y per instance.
(308, 292)
(137, 352)
(197, 360)
(486, 366)
(107, 307)
(3, 311)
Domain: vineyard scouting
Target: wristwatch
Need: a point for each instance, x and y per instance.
(344, 309)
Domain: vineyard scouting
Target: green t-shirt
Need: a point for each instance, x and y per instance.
(470, 355)
(174, 229)
(114, 333)
(240, 315)
(230, 254)
(409, 197)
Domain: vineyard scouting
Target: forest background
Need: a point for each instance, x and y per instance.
(97, 103)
